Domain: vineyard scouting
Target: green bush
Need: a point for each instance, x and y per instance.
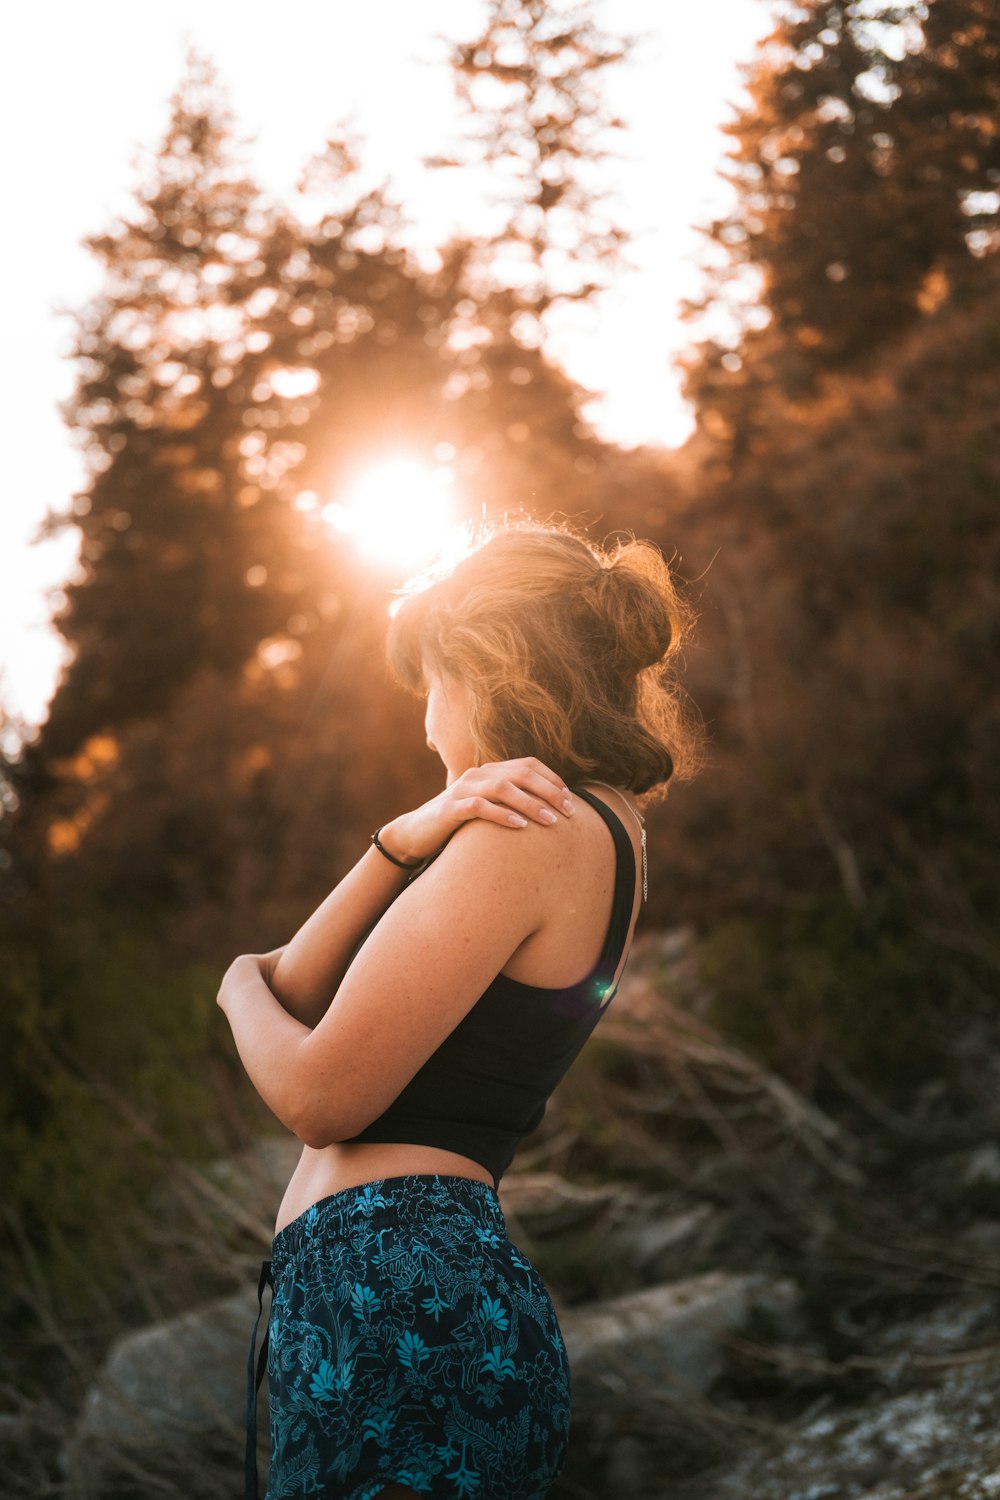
(112, 1060)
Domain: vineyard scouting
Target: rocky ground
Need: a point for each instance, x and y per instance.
(769, 1303)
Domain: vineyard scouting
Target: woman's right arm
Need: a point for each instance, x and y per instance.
(308, 970)
(310, 967)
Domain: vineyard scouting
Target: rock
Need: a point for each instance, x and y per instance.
(677, 1229)
(663, 1246)
(940, 1441)
(966, 1179)
(982, 1165)
(654, 1237)
(668, 1335)
(542, 1203)
(636, 1363)
(170, 1398)
(956, 1324)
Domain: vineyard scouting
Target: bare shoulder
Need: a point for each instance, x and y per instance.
(480, 839)
(545, 862)
(531, 864)
(484, 846)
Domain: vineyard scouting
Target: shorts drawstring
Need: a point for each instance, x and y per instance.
(253, 1386)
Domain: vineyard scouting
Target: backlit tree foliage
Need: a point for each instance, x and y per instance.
(243, 364)
(531, 88)
(866, 177)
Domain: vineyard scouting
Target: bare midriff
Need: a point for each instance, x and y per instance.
(346, 1164)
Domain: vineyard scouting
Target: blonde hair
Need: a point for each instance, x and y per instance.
(567, 652)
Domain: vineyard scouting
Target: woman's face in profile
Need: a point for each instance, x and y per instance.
(446, 724)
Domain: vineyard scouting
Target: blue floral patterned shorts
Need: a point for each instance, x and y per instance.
(410, 1342)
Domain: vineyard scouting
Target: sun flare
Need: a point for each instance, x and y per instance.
(399, 512)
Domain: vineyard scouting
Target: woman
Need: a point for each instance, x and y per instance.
(412, 1031)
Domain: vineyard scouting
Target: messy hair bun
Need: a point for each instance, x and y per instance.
(567, 651)
(625, 600)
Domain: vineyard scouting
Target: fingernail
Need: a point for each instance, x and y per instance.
(517, 820)
(548, 816)
(567, 806)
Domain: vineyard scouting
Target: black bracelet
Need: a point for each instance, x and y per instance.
(383, 850)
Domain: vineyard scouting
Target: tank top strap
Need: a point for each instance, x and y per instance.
(623, 901)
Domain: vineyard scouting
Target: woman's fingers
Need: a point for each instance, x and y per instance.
(541, 778)
(490, 810)
(535, 779)
(512, 793)
(536, 798)
(525, 788)
(493, 810)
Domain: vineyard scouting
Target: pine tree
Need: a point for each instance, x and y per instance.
(853, 163)
(165, 543)
(530, 84)
(946, 125)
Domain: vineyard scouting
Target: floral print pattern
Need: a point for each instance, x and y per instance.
(411, 1342)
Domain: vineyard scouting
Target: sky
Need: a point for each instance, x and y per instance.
(84, 89)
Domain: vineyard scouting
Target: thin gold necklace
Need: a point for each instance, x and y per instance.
(642, 827)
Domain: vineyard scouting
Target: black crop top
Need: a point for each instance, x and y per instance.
(487, 1085)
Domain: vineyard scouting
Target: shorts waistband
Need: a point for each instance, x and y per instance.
(379, 1203)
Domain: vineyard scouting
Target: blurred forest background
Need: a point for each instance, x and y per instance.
(226, 737)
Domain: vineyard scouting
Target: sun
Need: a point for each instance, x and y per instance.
(398, 513)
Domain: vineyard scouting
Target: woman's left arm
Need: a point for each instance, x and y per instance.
(268, 1039)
